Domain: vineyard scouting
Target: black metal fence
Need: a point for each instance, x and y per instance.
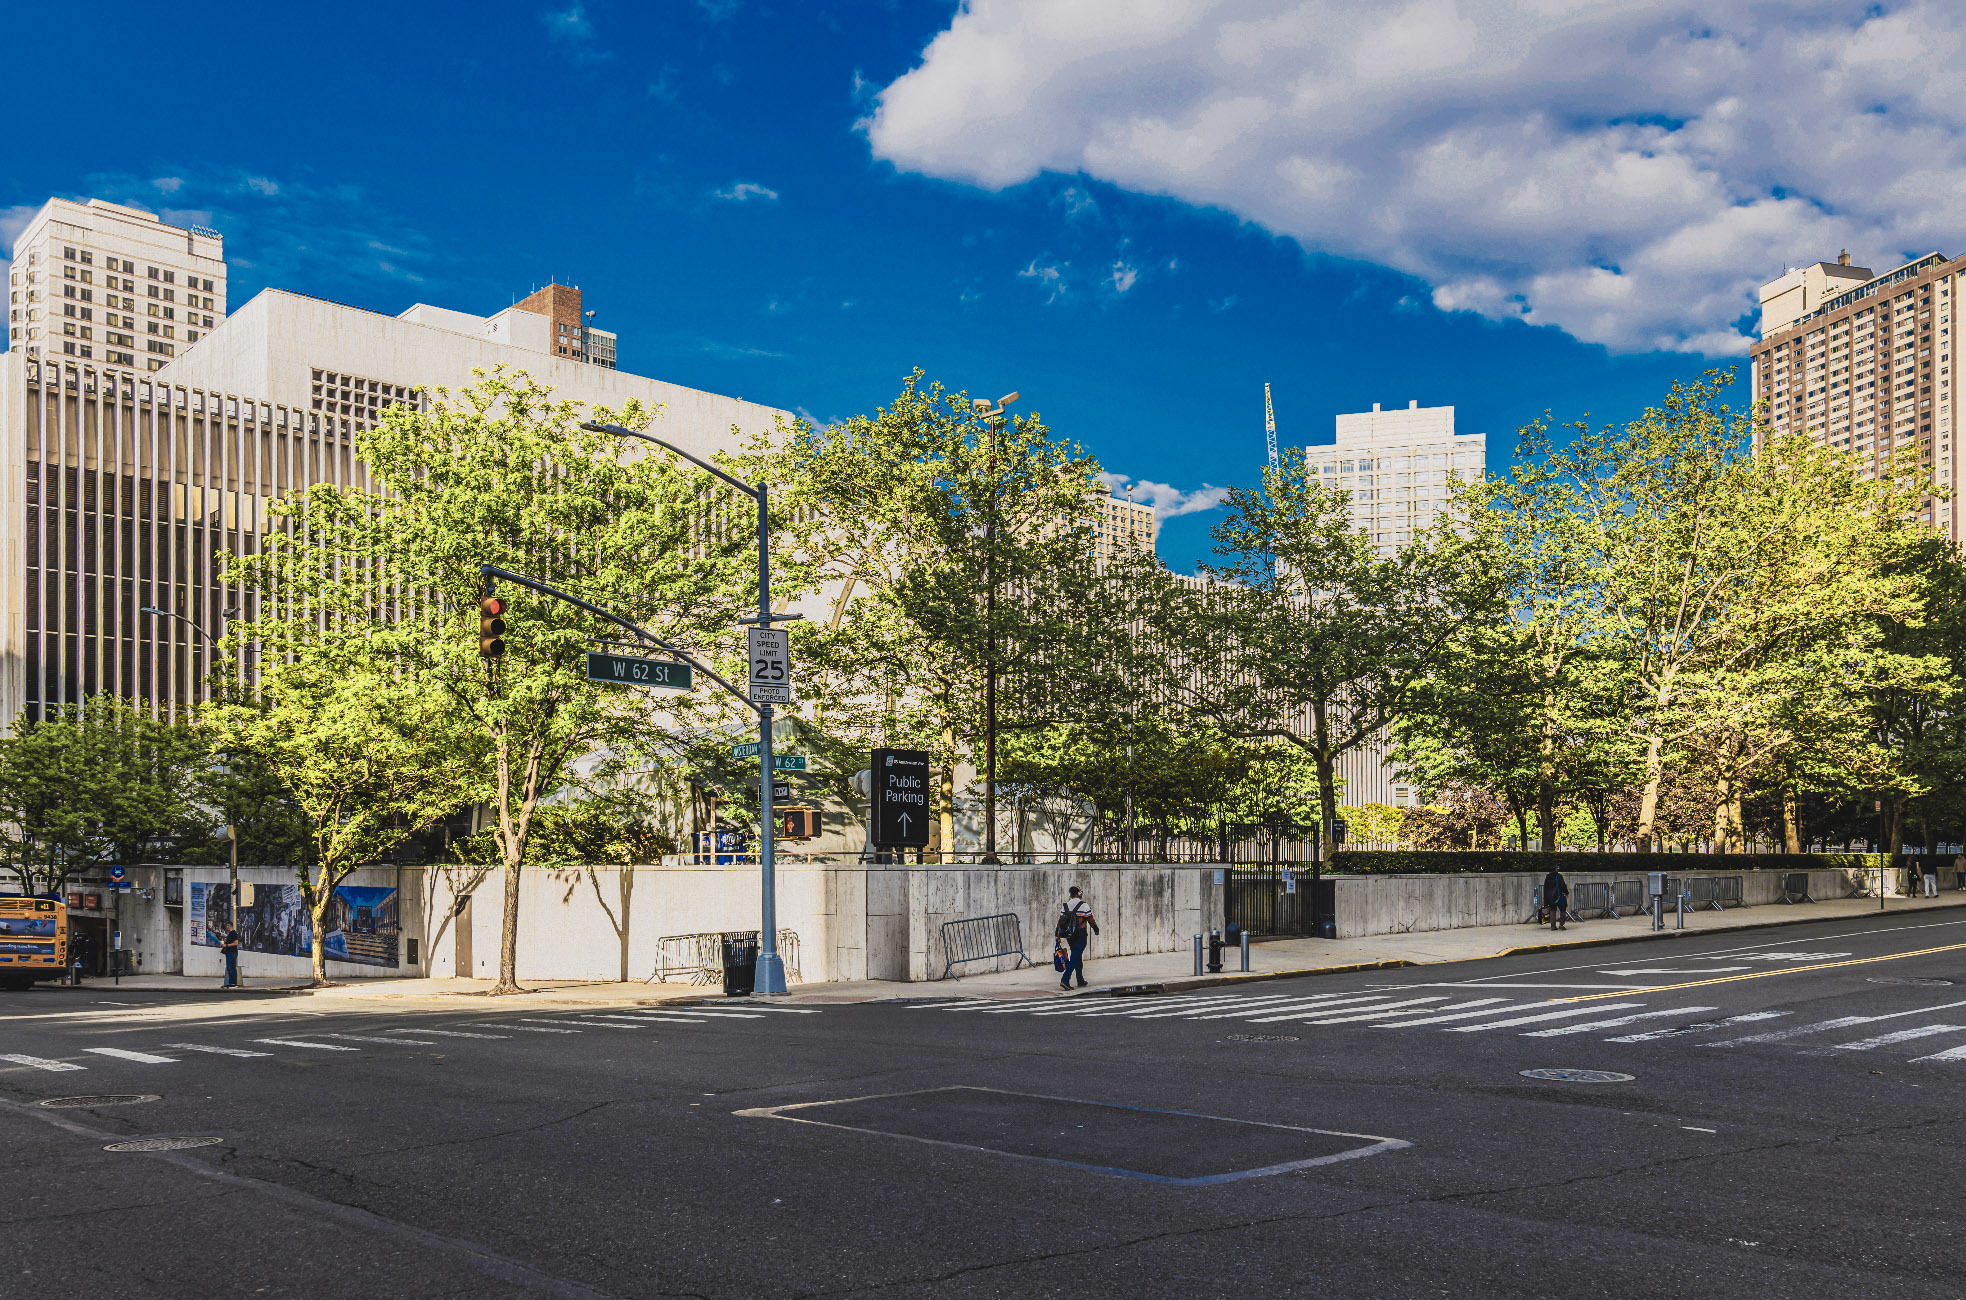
(1276, 900)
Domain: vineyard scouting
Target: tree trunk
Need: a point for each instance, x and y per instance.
(627, 895)
(947, 795)
(1791, 830)
(317, 912)
(1546, 781)
(508, 939)
(1648, 803)
(1723, 811)
(1327, 802)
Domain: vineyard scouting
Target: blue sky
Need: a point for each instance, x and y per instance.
(707, 172)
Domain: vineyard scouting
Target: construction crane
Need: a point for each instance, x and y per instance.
(1270, 428)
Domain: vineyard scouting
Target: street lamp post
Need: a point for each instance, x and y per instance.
(981, 407)
(771, 966)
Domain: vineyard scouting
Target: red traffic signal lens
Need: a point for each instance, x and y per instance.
(491, 606)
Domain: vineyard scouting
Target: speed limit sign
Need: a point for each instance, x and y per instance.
(771, 666)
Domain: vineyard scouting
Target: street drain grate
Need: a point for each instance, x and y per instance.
(1263, 1038)
(1579, 1076)
(1914, 983)
(113, 1099)
(163, 1144)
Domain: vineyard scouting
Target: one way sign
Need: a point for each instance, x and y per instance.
(900, 793)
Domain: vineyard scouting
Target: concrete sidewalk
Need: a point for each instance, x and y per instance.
(1276, 959)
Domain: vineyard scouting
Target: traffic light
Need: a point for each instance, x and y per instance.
(491, 627)
(799, 823)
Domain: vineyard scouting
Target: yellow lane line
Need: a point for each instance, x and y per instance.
(1762, 974)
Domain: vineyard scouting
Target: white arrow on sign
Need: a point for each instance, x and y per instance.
(904, 823)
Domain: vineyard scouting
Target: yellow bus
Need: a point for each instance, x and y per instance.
(33, 941)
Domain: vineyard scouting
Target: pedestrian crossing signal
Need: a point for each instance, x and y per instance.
(491, 627)
(799, 823)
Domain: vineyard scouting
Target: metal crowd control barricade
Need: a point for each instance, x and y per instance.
(1627, 894)
(699, 958)
(1795, 887)
(1716, 892)
(1593, 899)
(983, 938)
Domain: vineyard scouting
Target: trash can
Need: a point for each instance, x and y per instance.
(740, 962)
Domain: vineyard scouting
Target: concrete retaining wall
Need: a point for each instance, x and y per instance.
(1368, 905)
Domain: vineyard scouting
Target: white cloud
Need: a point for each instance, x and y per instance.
(745, 191)
(1122, 277)
(1168, 501)
(1049, 278)
(569, 24)
(1629, 171)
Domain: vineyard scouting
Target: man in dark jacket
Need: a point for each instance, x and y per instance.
(1074, 920)
(1556, 897)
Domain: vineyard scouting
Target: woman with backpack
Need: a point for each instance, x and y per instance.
(1074, 920)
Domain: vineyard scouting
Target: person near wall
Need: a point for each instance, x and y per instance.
(229, 945)
(1074, 922)
(1930, 863)
(1556, 898)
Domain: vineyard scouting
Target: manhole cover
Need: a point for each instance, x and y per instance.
(1579, 1076)
(163, 1144)
(1914, 983)
(115, 1099)
(1263, 1038)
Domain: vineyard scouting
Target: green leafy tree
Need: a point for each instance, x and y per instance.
(502, 473)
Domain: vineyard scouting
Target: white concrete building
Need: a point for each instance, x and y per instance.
(1396, 465)
(112, 286)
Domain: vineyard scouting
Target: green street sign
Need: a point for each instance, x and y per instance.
(744, 751)
(788, 762)
(626, 670)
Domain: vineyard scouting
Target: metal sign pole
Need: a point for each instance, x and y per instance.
(771, 968)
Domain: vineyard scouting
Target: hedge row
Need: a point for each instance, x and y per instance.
(1402, 862)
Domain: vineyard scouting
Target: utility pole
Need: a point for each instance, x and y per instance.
(993, 418)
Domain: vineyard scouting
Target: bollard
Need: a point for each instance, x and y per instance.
(1198, 954)
(1682, 909)
(1245, 952)
(1214, 952)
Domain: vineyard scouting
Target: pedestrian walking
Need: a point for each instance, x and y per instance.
(1930, 863)
(1556, 898)
(229, 945)
(1074, 921)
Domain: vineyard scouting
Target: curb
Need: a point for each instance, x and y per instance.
(1214, 981)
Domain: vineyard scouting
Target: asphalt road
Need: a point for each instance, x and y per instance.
(1791, 1127)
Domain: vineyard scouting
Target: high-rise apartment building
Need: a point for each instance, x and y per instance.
(572, 335)
(1866, 364)
(1396, 465)
(1121, 525)
(113, 286)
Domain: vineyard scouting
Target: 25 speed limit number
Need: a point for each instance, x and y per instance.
(771, 666)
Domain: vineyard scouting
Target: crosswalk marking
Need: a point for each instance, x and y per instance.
(634, 1019)
(1236, 1005)
(1535, 1019)
(1399, 1017)
(720, 1015)
(1616, 1022)
(124, 1054)
(1116, 1006)
(1950, 1054)
(301, 1042)
(530, 1029)
(368, 1038)
(1361, 1003)
(447, 1033)
(1368, 1013)
(1461, 1015)
(1699, 1028)
(678, 1020)
(1841, 1022)
(39, 1062)
(215, 1051)
(1288, 1005)
(591, 1024)
(1885, 1040)
(785, 1011)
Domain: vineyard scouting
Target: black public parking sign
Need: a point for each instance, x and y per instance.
(900, 791)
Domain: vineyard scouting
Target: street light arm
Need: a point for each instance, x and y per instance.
(152, 609)
(493, 571)
(597, 427)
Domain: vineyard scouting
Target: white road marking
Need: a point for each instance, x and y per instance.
(123, 1054)
(787, 1011)
(677, 1020)
(1084, 1006)
(367, 1038)
(591, 1024)
(725, 1015)
(215, 1051)
(1615, 1022)
(1885, 1040)
(1691, 1129)
(1157, 1010)
(1391, 1009)
(1674, 970)
(39, 1062)
(1841, 1022)
(446, 1033)
(1361, 1002)
(1530, 1020)
(1237, 1010)
(530, 1029)
(1462, 1015)
(1699, 1028)
(1395, 1019)
(301, 1042)
(1950, 1054)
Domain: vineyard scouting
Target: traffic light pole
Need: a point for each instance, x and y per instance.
(771, 965)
